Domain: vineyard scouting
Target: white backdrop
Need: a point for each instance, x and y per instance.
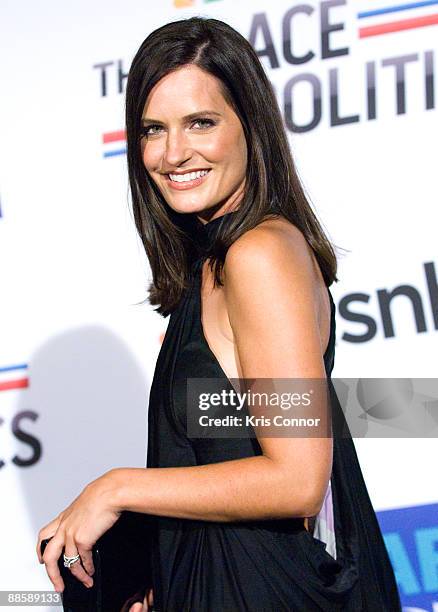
(72, 266)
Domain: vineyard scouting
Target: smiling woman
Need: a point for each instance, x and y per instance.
(240, 522)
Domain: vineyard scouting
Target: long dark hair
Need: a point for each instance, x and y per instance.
(272, 185)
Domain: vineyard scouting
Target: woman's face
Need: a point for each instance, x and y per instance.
(190, 128)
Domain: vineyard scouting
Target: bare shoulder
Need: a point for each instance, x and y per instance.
(274, 246)
(277, 303)
(271, 271)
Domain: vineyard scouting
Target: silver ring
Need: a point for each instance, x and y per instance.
(70, 560)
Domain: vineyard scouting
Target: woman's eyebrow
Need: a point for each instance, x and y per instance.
(186, 117)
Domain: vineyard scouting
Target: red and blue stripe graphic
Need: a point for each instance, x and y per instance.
(14, 377)
(424, 14)
(114, 143)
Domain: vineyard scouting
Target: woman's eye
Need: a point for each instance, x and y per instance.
(206, 122)
(146, 130)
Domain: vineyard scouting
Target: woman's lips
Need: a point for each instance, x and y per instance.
(186, 184)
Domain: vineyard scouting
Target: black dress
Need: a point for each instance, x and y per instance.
(263, 565)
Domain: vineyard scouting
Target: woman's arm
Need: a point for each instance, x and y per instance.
(270, 289)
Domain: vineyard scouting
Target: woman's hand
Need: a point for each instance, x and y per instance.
(77, 528)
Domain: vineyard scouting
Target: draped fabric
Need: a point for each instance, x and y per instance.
(324, 528)
(263, 565)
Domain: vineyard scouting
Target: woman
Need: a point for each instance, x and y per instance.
(241, 263)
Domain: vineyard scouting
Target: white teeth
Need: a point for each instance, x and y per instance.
(189, 176)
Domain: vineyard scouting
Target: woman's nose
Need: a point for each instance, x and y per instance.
(177, 148)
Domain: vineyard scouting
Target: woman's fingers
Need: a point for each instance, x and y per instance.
(46, 532)
(87, 559)
(52, 554)
(50, 558)
(71, 550)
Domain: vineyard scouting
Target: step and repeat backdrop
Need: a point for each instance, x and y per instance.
(357, 85)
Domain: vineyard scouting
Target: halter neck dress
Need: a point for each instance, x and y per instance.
(256, 565)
